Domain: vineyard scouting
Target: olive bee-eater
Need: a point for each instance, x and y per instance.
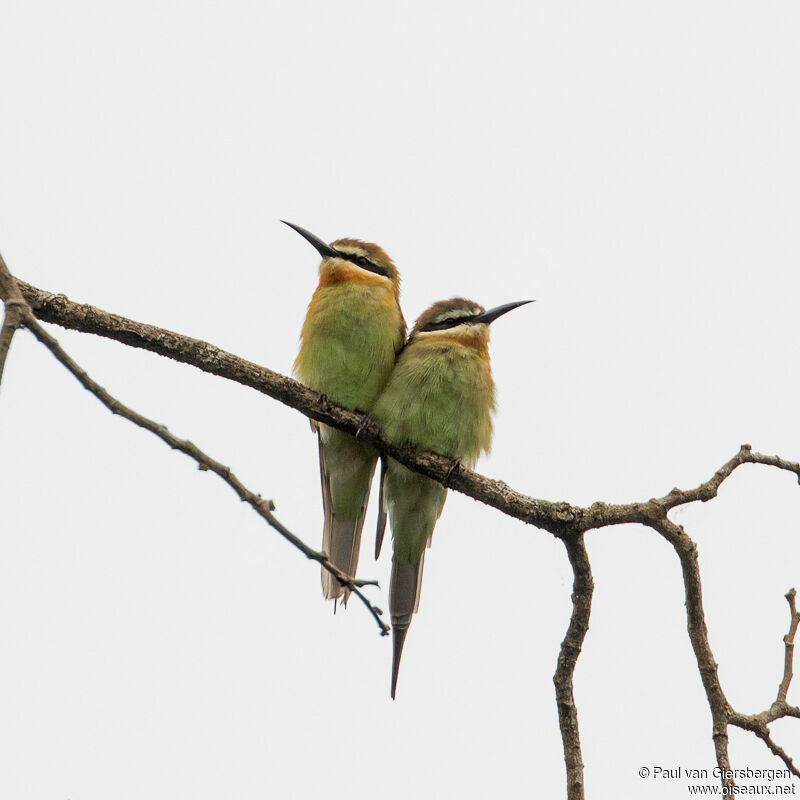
(439, 397)
(351, 335)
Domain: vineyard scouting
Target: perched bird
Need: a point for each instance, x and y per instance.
(352, 333)
(440, 397)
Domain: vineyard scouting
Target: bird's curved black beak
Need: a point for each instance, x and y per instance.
(325, 250)
(493, 313)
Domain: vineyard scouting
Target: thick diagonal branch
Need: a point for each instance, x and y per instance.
(555, 517)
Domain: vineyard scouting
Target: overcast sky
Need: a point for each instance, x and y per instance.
(632, 166)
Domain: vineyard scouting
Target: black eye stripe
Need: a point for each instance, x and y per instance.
(354, 259)
(450, 322)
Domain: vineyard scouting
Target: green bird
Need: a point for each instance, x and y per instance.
(440, 397)
(352, 333)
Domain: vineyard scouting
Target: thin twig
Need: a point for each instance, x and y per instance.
(788, 641)
(262, 507)
(755, 724)
(778, 751)
(758, 723)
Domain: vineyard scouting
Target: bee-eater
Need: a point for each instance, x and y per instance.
(439, 397)
(352, 333)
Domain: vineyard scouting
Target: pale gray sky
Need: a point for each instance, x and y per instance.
(633, 167)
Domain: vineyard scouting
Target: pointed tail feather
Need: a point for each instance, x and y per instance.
(398, 639)
(404, 596)
(341, 540)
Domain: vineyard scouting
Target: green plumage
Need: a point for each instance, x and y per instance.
(350, 339)
(349, 342)
(440, 397)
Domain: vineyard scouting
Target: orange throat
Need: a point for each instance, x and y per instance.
(342, 272)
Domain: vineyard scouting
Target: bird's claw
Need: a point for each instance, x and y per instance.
(366, 421)
(453, 469)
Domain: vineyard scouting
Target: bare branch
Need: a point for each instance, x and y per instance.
(263, 507)
(582, 590)
(756, 724)
(778, 751)
(698, 635)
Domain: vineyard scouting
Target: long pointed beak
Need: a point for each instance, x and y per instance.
(493, 313)
(325, 250)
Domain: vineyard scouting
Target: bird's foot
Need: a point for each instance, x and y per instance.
(366, 421)
(454, 468)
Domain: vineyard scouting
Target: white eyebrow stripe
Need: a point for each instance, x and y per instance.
(448, 331)
(454, 314)
(354, 251)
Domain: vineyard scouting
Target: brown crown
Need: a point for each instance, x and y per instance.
(441, 309)
(375, 253)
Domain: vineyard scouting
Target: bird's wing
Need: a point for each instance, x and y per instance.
(325, 480)
(381, 509)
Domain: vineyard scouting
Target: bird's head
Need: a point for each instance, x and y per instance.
(461, 320)
(351, 260)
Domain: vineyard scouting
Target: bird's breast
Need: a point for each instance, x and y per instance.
(440, 397)
(351, 335)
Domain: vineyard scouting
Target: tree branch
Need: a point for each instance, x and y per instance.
(582, 590)
(698, 635)
(559, 518)
(788, 640)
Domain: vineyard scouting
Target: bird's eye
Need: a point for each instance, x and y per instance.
(362, 262)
